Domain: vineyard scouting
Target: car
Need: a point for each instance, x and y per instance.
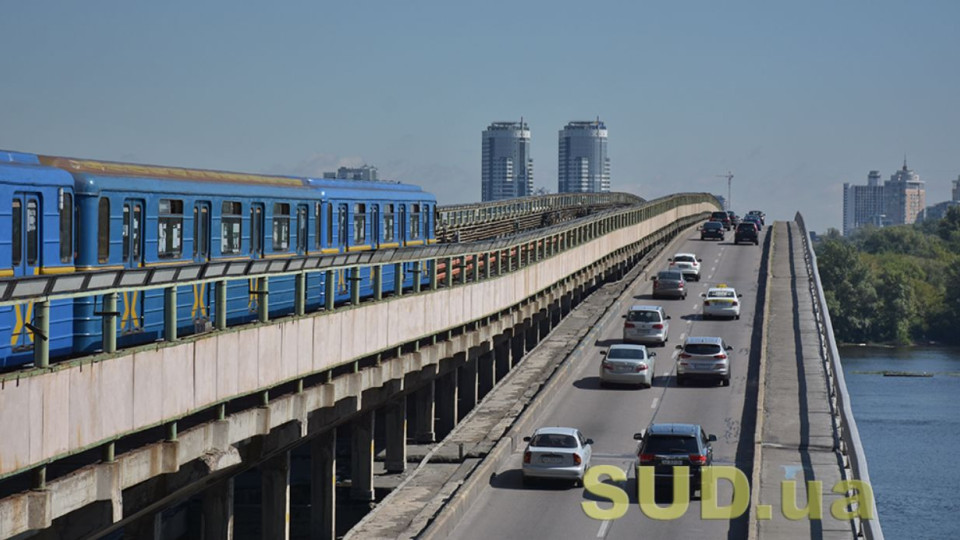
(688, 264)
(627, 364)
(721, 301)
(669, 284)
(712, 229)
(722, 217)
(746, 232)
(666, 446)
(703, 358)
(646, 324)
(759, 215)
(734, 218)
(561, 453)
(755, 220)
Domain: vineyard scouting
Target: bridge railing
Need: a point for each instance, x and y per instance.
(849, 435)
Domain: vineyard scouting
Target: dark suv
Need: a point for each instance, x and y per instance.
(722, 217)
(665, 446)
(746, 232)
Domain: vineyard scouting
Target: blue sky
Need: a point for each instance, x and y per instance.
(794, 98)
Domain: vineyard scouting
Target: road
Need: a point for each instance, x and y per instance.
(506, 509)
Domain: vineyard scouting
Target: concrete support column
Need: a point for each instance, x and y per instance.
(486, 377)
(361, 461)
(145, 528)
(396, 431)
(467, 380)
(446, 388)
(545, 323)
(218, 511)
(424, 430)
(323, 486)
(501, 358)
(275, 497)
(517, 344)
(532, 332)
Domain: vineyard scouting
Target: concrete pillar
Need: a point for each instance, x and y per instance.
(545, 322)
(396, 431)
(323, 486)
(361, 459)
(532, 332)
(467, 381)
(424, 430)
(275, 497)
(446, 388)
(486, 376)
(517, 344)
(501, 355)
(145, 528)
(218, 511)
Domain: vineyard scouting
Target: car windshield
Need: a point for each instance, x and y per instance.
(702, 348)
(643, 316)
(719, 215)
(626, 354)
(722, 294)
(554, 440)
(684, 258)
(670, 276)
(712, 225)
(670, 444)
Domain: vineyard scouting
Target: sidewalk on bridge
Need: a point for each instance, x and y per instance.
(797, 434)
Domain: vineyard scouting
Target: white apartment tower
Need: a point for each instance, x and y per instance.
(583, 165)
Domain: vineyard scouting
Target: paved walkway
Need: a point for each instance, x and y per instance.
(797, 427)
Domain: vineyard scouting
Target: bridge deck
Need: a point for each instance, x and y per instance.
(797, 433)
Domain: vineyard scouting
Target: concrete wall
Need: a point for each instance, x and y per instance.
(61, 411)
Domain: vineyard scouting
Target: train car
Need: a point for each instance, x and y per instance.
(36, 237)
(135, 216)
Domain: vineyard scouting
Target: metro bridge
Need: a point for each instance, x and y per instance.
(431, 390)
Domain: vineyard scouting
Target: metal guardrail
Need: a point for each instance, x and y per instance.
(849, 435)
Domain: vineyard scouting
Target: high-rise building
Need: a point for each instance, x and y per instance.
(584, 166)
(507, 169)
(956, 190)
(363, 172)
(863, 205)
(904, 196)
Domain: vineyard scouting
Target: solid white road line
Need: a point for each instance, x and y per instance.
(654, 404)
(604, 527)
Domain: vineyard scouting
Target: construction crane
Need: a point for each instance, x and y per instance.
(729, 177)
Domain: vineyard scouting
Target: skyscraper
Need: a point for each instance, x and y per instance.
(507, 169)
(898, 201)
(904, 196)
(863, 205)
(583, 166)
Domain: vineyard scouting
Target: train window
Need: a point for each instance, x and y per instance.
(281, 226)
(231, 227)
(415, 222)
(388, 223)
(103, 230)
(302, 228)
(17, 232)
(170, 229)
(329, 224)
(359, 224)
(66, 228)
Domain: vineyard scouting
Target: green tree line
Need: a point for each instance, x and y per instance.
(894, 284)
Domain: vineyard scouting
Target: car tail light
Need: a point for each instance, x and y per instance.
(607, 365)
(576, 459)
(720, 356)
(526, 457)
(684, 355)
(734, 303)
(658, 327)
(628, 325)
(698, 459)
(641, 367)
(680, 285)
(706, 302)
(647, 458)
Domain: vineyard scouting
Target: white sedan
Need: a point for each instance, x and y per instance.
(627, 364)
(557, 452)
(721, 301)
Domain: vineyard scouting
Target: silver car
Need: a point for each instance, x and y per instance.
(557, 452)
(703, 358)
(646, 324)
(669, 284)
(628, 364)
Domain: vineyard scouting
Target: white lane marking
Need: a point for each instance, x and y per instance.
(683, 335)
(604, 527)
(696, 307)
(654, 404)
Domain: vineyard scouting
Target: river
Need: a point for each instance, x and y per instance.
(910, 428)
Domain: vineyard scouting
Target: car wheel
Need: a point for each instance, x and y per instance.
(725, 381)
(578, 482)
(737, 317)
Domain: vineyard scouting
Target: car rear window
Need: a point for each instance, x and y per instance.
(674, 276)
(554, 440)
(626, 354)
(712, 225)
(722, 294)
(746, 227)
(670, 444)
(684, 258)
(702, 348)
(643, 316)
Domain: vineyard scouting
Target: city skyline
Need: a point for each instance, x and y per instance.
(795, 100)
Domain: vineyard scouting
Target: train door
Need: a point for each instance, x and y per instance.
(375, 225)
(131, 319)
(26, 259)
(256, 230)
(402, 237)
(342, 232)
(302, 228)
(200, 308)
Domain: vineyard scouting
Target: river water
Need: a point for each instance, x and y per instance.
(910, 428)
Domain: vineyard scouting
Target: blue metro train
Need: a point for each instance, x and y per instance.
(63, 215)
